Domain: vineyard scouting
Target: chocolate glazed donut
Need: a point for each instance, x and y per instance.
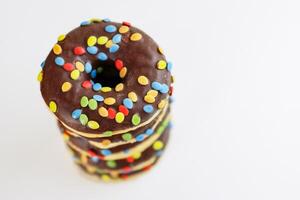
(108, 85)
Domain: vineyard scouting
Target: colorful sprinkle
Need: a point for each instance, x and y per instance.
(97, 87)
(111, 163)
(59, 61)
(98, 97)
(66, 86)
(158, 145)
(127, 136)
(79, 65)
(94, 73)
(61, 37)
(164, 88)
(105, 152)
(114, 48)
(93, 125)
(135, 37)
(40, 76)
(119, 64)
(140, 137)
(91, 41)
(123, 29)
(75, 74)
(156, 85)
(86, 84)
(102, 56)
(57, 49)
(123, 109)
(111, 113)
(83, 119)
(88, 67)
(123, 72)
(169, 66)
(105, 178)
(119, 87)
(109, 101)
(162, 104)
(76, 113)
(110, 28)
(105, 89)
(68, 67)
(136, 119)
(153, 93)
(117, 38)
(103, 112)
(126, 24)
(52, 106)
(119, 117)
(92, 50)
(79, 51)
(149, 99)
(42, 64)
(84, 101)
(109, 43)
(143, 80)
(128, 103)
(148, 108)
(108, 133)
(102, 40)
(161, 64)
(136, 155)
(160, 50)
(93, 104)
(149, 131)
(132, 96)
(85, 23)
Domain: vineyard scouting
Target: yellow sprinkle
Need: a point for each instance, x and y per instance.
(103, 112)
(102, 40)
(119, 87)
(66, 137)
(149, 99)
(172, 79)
(40, 76)
(79, 65)
(143, 80)
(153, 93)
(75, 74)
(91, 169)
(135, 37)
(160, 50)
(132, 96)
(106, 142)
(106, 89)
(61, 37)
(57, 49)
(123, 72)
(119, 117)
(66, 86)
(93, 124)
(52, 106)
(136, 155)
(91, 41)
(105, 178)
(109, 43)
(158, 145)
(162, 104)
(95, 20)
(109, 101)
(123, 29)
(161, 64)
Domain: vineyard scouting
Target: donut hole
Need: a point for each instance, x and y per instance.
(107, 75)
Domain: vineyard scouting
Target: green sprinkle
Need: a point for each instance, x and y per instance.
(84, 101)
(111, 164)
(107, 133)
(127, 136)
(160, 130)
(83, 119)
(93, 104)
(136, 119)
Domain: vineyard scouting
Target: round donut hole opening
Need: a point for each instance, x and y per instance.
(107, 75)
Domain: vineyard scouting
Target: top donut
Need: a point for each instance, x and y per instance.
(105, 77)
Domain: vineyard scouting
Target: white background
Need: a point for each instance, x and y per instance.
(236, 117)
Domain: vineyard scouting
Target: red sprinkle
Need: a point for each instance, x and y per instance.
(126, 169)
(171, 90)
(68, 67)
(91, 153)
(147, 168)
(130, 159)
(123, 110)
(111, 113)
(86, 84)
(119, 64)
(79, 51)
(126, 24)
(124, 176)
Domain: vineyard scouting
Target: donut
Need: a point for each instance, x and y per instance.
(109, 86)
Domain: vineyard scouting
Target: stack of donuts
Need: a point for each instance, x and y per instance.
(109, 86)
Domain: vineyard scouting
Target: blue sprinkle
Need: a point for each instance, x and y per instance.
(59, 61)
(114, 48)
(110, 28)
(92, 50)
(117, 38)
(102, 56)
(97, 86)
(88, 67)
(93, 73)
(148, 108)
(164, 89)
(76, 113)
(169, 66)
(158, 153)
(156, 85)
(42, 64)
(106, 20)
(140, 137)
(85, 23)
(128, 103)
(149, 131)
(105, 152)
(95, 159)
(98, 97)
